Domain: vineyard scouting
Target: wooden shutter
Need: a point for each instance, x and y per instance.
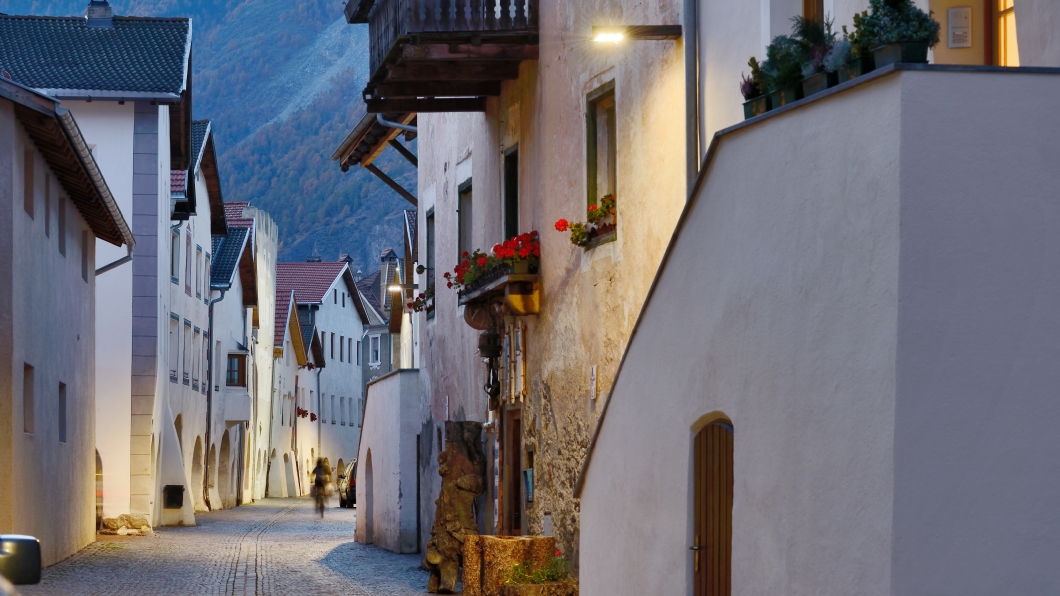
(713, 477)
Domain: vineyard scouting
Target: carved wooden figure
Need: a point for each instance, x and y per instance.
(463, 468)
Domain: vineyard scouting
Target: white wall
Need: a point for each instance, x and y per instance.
(109, 127)
(391, 421)
(47, 310)
(341, 378)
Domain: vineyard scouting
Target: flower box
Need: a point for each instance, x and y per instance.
(904, 51)
(784, 97)
(756, 107)
(856, 67)
(819, 82)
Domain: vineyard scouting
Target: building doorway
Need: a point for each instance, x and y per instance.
(99, 491)
(712, 517)
(513, 474)
(369, 500)
(224, 485)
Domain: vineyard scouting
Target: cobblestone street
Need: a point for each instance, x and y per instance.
(275, 546)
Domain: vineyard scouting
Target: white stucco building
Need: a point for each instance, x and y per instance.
(131, 95)
(54, 205)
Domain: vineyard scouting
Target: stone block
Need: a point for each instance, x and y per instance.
(141, 425)
(140, 464)
(140, 445)
(143, 404)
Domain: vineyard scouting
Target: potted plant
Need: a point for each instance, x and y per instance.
(518, 254)
(601, 220)
(751, 87)
(423, 301)
(896, 31)
(817, 39)
(783, 71)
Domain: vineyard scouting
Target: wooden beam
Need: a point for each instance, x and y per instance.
(465, 51)
(454, 71)
(469, 104)
(404, 152)
(390, 182)
(438, 89)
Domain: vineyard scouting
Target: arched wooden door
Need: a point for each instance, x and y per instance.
(712, 537)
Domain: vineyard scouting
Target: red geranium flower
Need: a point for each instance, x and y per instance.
(449, 283)
(482, 261)
(464, 255)
(561, 225)
(524, 252)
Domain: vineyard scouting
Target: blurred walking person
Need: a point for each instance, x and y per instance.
(320, 486)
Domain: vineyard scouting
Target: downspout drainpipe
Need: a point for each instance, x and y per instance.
(209, 402)
(379, 118)
(690, 38)
(126, 259)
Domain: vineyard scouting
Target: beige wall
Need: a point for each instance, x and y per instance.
(973, 55)
(47, 320)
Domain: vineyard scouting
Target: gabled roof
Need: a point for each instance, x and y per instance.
(287, 321)
(369, 288)
(226, 255)
(410, 232)
(63, 56)
(234, 214)
(56, 135)
(178, 182)
(311, 339)
(200, 129)
(310, 280)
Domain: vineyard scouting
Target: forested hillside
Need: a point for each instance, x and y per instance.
(282, 82)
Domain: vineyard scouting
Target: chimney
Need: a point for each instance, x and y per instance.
(313, 259)
(99, 15)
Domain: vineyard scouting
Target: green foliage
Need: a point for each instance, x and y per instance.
(892, 21)
(557, 569)
(783, 65)
(816, 39)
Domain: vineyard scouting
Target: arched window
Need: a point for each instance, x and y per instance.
(712, 535)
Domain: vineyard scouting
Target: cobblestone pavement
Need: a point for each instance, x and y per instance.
(275, 546)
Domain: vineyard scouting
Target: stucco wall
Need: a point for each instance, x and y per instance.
(341, 377)
(978, 338)
(47, 310)
(386, 503)
(778, 308)
(266, 235)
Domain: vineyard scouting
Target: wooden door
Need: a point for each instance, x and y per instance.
(712, 536)
(514, 485)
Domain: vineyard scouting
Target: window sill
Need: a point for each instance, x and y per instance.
(176, 281)
(606, 238)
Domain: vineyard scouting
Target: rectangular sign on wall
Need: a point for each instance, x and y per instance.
(959, 27)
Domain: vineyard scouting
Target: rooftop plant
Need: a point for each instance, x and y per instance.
(892, 21)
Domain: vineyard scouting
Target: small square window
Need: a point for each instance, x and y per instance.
(236, 374)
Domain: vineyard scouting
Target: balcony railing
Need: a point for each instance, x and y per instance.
(390, 20)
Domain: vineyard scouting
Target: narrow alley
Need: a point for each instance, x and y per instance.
(274, 546)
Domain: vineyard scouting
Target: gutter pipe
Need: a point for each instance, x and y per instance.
(379, 118)
(692, 133)
(209, 400)
(126, 259)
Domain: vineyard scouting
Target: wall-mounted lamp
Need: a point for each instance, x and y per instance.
(617, 34)
(400, 287)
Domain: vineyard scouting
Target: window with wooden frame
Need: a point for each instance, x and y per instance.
(1006, 51)
(813, 9)
(198, 271)
(464, 222)
(602, 150)
(236, 372)
(186, 353)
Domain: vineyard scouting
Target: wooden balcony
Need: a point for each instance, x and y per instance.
(443, 55)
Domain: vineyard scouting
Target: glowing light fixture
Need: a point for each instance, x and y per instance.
(399, 287)
(642, 32)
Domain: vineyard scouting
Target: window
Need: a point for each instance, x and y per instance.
(342, 411)
(174, 256)
(28, 180)
(198, 272)
(511, 192)
(61, 206)
(349, 350)
(374, 355)
(187, 262)
(813, 9)
(47, 206)
(62, 412)
(430, 264)
(333, 416)
(186, 352)
(205, 360)
(28, 403)
(236, 374)
(335, 296)
(464, 219)
(601, 142)
(342, 340)
(206, 278)
(1008, 53)
(174, 345)
(333, 346)
(197, 335)
(86, 246)
(358, 352)
(344, 300)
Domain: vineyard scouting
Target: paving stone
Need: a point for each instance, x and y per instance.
(274, 546)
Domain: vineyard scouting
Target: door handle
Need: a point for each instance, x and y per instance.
(695, 548)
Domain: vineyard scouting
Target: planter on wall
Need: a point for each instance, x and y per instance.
(856, 67)
(904, 51)
(819, 82)
(756, 106)
(784, 97)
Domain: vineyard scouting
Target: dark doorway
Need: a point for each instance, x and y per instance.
(513, 486)
(712, 534)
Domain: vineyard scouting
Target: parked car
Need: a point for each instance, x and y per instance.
(347, 485)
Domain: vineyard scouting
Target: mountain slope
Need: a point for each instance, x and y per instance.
(281, 82)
